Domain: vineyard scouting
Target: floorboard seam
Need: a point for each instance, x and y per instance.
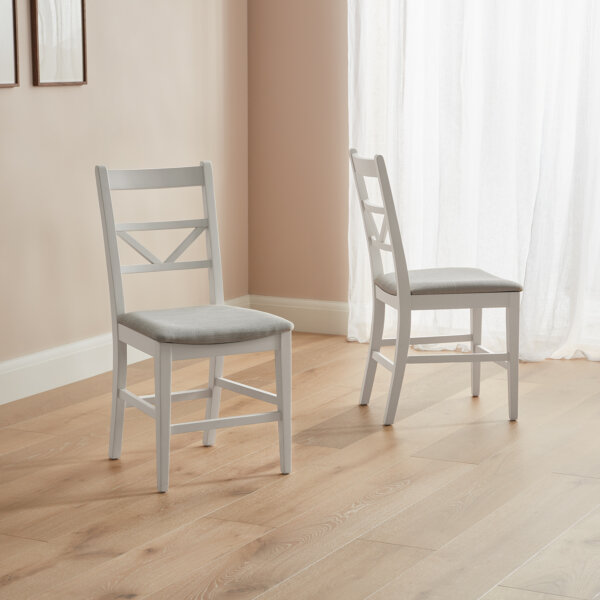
(576, 475)
(447, 460)
(510, 587)
(23, 537)
(368, 539)
(540, 550)
(344, 545)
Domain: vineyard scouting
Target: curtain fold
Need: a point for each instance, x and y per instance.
(488, 115)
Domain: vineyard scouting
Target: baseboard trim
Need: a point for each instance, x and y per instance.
(312, 316)
(35, 373)
(242, 301)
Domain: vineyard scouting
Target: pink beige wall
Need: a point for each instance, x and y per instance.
(298, 148)
(167, 86)
(258, 87)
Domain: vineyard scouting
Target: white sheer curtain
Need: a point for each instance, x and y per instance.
(488, 115)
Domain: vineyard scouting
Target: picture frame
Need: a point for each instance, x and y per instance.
(58, 39)
(9, 47)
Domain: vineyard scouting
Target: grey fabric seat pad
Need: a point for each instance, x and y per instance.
(449, 280)
(212, 324)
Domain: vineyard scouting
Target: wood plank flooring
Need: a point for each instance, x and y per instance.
(452, 502)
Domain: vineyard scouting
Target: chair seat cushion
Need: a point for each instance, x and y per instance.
(213, 324)
(449, 280)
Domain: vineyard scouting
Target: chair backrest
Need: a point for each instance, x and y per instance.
(377, 236)
(198, 176)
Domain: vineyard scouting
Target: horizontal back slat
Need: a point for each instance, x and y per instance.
(381, 246)
(144, 179)
(153, 226)
(374, 208)
(366, 167)
(173, 266)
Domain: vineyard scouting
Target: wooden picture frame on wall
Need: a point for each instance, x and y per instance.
(58, 42)
(9, 48)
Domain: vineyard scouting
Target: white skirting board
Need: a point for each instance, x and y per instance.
(48, 369)
(34, 373)
(312, 316)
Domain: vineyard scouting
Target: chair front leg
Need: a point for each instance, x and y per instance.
(512, 347)
(475, 366)
(118, 404)
(402, 344)
(162, 385)
(374, 346)
(214, 402)
(283, 369)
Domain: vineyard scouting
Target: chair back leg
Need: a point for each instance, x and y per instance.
(402, 344)
(214, 402)
(162, 385)
(283, 368)
(512, 347)
(375, 346)
(118, 404)
(475, 366)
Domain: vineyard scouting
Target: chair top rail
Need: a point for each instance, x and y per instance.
(155, 225)
(366, 167)
(144, 179)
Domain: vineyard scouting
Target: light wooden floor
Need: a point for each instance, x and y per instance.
(453, 502)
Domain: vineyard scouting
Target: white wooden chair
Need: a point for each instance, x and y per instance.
(212, 331)
(427, 289)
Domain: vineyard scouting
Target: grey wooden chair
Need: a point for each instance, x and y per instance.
(213, 331)
(427, 289)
